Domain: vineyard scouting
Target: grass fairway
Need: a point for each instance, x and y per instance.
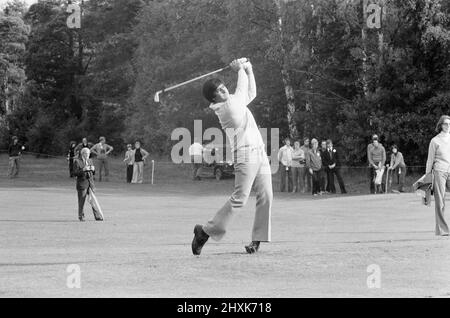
(321, 247)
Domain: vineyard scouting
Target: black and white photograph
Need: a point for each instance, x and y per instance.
(254, 150)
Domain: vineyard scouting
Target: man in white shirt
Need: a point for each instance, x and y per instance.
(285, 159)
(196, 153)
(251, 163)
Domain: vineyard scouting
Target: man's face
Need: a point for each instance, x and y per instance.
(137, 145)
(314, 144)
(287, 142)
(222, 94)
(375, 143)
(296, 145)
(330, 145)
(84, 141)
(323, 145)
(85, 154)
(306, 142)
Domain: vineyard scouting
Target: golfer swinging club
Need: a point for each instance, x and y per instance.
(251, 162)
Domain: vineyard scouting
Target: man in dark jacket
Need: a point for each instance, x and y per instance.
(14, 151)
(84, 170)
(330, 159)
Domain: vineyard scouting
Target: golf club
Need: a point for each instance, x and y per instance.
(156, 98)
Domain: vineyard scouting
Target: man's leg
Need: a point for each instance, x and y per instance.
(245, 174)
(282, 177)
(302, 171)
(402, 179)
(106, 164)
(140, 172)
(11, 167)
(337, 171)
(81, 200)
(129, 173)
(331, 180)
(371, 178)
(295, 174)
(289, 175)
(135, 173)
(264, 197)
(440, 183)
(17, 166)
(100, 169)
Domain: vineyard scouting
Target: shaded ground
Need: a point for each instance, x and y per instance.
(321, 247)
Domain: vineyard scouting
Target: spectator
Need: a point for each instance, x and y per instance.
(438, 164)
(285, 159)
(84, 144)
(330, 160)
(323, 172)
(71, 156)
(139, 156)
(314, 164)
(84, 170)
(102, 150)
(376, 155)
(398, 167)
(307, 181)
(298, 168)
(196, 153)
(15, 152)
(129, 162)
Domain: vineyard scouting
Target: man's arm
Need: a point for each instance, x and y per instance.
(145, 153)
(110, 149)
(369, 156)
(251, 81)
(94, 149)
(384, 157)
(431, 154)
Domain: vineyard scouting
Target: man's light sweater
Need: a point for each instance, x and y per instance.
(236, 119)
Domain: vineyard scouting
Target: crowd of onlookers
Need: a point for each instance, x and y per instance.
(308, 167)
(313, 168)
(134, 159)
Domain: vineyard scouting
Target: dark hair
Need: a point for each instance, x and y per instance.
(305, 139)
(210, 88)
(440, 122)
(329, 142)
(394, 147)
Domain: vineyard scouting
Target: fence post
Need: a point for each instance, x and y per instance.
(153, 169)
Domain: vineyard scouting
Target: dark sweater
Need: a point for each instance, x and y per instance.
(15, 150)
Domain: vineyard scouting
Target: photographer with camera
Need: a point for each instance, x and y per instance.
(84, 170)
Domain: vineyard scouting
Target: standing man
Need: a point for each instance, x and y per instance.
(14, 151)
(139, 156)
(71, 157)
(298, 168)
(330, 159)
(398, 166)
(252, 165)
(323, 173)
(84, 170)
(196, 153)
(307, 179)
(376, 155)
(314, 164)
(129, 161)
(84, 144)
(102, 150)
(285, 159)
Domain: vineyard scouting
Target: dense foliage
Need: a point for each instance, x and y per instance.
(320, 72)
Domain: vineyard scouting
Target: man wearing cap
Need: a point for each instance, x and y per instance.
(15, 151)
(376, 155)
(102, 150)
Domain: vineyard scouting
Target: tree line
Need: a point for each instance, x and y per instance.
(320, 71)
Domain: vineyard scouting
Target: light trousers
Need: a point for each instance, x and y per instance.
(251, 168)
(138, 172)
(441, 183)
(14, 165)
